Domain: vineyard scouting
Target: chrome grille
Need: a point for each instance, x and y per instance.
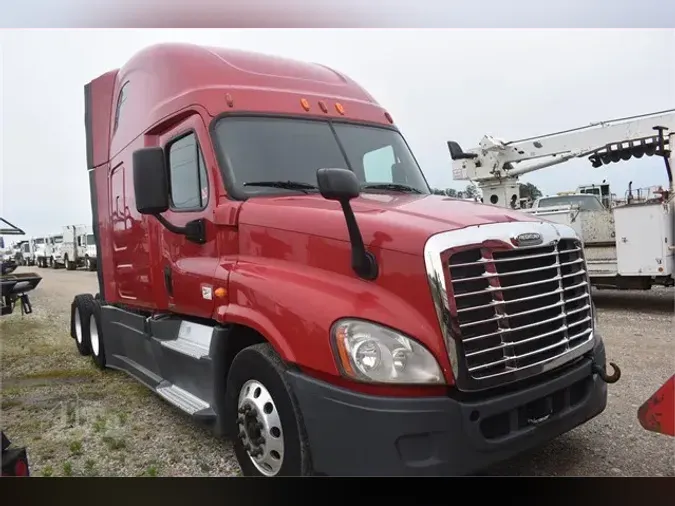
(519, 308)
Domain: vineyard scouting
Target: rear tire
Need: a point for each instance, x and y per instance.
(96, 336)
(70, 266)
(272, 424)
(80, 313)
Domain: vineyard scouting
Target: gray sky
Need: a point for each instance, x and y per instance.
(437, 84)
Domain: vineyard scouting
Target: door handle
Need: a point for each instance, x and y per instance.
(168, 281)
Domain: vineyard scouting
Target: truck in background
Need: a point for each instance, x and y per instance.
(53, 250)
(273, 263)
(78, 248)
(27, 252)
(40, 249)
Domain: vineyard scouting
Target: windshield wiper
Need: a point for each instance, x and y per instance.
(390, 186)
(286, 185)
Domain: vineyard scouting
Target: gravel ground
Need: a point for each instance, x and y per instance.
(76, 420)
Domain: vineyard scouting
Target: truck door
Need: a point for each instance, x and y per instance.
(188, 268)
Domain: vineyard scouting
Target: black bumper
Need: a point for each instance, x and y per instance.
(351, 434)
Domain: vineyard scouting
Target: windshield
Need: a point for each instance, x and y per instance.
(90, 239)
(280, 149)
(584, 202)
(39, 241)
(58, 239)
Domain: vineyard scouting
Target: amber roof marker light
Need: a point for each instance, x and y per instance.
(304, 103)
(339, 108)
(323, 106)
(229, 100)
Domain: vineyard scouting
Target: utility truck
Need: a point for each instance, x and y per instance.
(78, 248)
(273, 263)
(629, 244)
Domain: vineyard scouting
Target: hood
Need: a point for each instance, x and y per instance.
(396, 222)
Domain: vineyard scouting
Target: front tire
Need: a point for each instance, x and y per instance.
(266, 423)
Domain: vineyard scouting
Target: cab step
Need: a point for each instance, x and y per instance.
(194, 340)
(184, 400)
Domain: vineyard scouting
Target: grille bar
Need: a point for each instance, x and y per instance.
(550, 347)
(514, 259)
(517, 273)
(518, 308)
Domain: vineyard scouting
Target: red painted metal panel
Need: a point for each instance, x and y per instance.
(658, 413)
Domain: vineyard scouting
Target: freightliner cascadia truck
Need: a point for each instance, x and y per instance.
(273, 263)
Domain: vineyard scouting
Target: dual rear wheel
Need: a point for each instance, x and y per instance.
(85, 318)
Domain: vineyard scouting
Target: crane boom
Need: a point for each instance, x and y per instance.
(496, 164)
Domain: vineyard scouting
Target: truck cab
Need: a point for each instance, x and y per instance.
(40, 246)
(55, 250)
(272, 262)
(90, 252)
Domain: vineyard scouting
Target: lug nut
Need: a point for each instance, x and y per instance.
(247, 447)
(260, 441)
(245, 409)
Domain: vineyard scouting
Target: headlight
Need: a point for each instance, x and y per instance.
(372, 353)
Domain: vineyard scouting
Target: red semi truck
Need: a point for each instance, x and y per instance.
(273, 263)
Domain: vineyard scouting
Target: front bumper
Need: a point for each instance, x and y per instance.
(352, 434)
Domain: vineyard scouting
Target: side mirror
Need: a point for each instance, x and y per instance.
(151, 186)
(343, 186)
(338, 184)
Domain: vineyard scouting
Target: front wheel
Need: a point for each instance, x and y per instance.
(269, 435)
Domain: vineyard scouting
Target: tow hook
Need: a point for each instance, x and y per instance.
(602, 372)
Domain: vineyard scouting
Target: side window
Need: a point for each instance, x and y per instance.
(120, 103)
(79, 240)
(189, 185)
(378, 164)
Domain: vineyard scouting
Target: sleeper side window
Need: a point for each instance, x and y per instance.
(189, 186)
(120, 104)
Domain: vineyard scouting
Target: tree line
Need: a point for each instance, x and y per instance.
(527, 190)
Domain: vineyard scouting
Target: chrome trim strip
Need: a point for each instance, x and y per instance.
(551, 233)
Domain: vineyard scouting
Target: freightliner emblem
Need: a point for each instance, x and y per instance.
(528, 239)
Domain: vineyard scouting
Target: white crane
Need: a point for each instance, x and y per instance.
(627, 246)
(496, 164)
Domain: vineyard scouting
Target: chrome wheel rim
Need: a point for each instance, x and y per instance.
(78, 326)
(93, 335)
(259, 427)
